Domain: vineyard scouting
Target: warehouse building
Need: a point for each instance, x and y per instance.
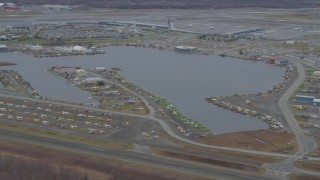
(3, 48)
(306, 99)
(185, 49)
(65, 69)
(81, 73)
(316, 73)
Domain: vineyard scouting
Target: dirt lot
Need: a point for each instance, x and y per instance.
(263, 140)
(262, 159)
(79, 164)
(211, 161)
(19, 166)
(303, 177)
(310, 165)
(6, 64)
(316, 152)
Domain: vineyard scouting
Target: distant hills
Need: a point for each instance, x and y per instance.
(178, 3)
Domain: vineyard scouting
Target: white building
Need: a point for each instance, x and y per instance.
(65, 69)
(57, 7)
(79, 49)
(185, 49)
(3, 48)
(63, 49)
(101, 69)
(92, 80)
(81, 73)
(290, 42)
(34, 47)
(316, 73)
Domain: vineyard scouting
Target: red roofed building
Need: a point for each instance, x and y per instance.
(9, 7)
(65, 69)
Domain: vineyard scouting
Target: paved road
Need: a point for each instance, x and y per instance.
(133, 157)
(163, 124)
(305, 143)
(307, 62)
(282, 103)
(278, 170)
(143, 99)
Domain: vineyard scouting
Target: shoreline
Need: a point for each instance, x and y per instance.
(186, 119)
(3, 63)
(256, 104)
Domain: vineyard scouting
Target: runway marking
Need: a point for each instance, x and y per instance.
(140, 149)
(277, 173)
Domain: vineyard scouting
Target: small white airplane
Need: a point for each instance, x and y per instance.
(92, 131)
(88, 122)
(73, 126)
(64, 112)
(19, 117)
(107, 125)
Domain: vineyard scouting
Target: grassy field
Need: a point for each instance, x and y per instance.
(309, 165)
(19, 160)
(29, 41)
(300, 118)
(108, 144)
(262, 140)
(7, 63)
(304, 46)
(94, 41)
(316, 152)
(210, 161)
(316, 49)
(100, 41)
(302, 177)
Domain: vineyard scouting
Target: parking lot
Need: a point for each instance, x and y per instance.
(79, 122)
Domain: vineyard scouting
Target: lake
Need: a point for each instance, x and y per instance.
(184, 79)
